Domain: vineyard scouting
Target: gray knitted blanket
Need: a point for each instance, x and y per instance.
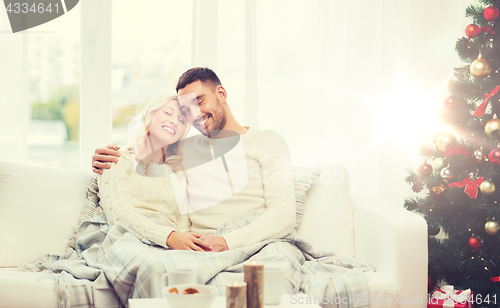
(113, 264)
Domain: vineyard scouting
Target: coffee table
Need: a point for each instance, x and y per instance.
(287, 301)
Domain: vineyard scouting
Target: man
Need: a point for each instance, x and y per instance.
(261, 181)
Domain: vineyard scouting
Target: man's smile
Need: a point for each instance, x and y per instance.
(202, 122)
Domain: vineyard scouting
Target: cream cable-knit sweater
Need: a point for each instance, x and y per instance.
(135, 201)
(266, 184)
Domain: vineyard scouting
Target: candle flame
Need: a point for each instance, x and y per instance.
(254, 262)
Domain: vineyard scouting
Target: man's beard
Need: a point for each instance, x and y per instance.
(218, 120)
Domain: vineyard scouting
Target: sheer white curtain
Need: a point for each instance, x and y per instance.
(13, 94)
(355, 82)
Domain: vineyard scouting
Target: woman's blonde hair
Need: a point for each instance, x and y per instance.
(139, 139)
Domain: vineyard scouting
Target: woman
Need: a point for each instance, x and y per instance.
(148, 201)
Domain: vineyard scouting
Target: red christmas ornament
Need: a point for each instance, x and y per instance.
(431, 284)
(433, 231)
(470, 29)
(450, 103)
(425, 169)
(474, 244)
(490, 13)
(494, 156)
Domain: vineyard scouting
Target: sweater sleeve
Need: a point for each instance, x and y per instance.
(278, 219)
(116, 201)
(184, 223)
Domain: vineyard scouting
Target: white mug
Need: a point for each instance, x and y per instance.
(179, 276)
(274, 284)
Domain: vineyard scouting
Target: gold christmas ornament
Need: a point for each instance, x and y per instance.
(480, 68)
(491, 227)
(445, 140)
(438, 164)
(492, 127)
(487, 187)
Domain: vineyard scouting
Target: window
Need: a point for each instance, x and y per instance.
(147, 59)
(53, 51)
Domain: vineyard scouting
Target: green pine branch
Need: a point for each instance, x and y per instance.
(475, 12)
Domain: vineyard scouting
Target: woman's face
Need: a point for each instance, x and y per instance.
(167, 125)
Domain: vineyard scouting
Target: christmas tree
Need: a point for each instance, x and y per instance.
(460, 175)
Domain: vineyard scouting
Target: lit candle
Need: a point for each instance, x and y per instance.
(236, 295)
(254, 277)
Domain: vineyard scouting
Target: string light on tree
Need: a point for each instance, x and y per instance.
(489, 37)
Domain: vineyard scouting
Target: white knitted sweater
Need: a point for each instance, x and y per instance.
(136, 201)
(262, 177)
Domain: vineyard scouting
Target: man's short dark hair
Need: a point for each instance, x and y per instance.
(203, 74)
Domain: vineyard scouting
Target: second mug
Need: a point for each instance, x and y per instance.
(180, 276)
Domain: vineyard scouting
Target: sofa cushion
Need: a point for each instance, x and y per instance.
(88, 211)
(39, 209)
(26, 289)
(327, 221)
(303, 179)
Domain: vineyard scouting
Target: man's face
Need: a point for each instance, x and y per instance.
(202, 107)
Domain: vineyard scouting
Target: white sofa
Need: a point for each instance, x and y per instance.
(39, 208)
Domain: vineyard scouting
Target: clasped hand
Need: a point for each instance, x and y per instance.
(217, 243)
(196, 242)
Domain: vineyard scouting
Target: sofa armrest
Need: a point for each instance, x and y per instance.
(394, 240)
